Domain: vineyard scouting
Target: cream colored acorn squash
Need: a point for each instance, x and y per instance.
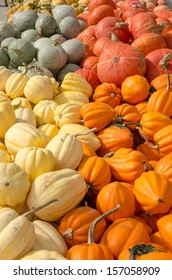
(15, 84)
(74, 97)
(43, 255)
(25, 115)
(7, 117)
(21, 102)
(67, 113)
(5, 73)
(49, 129)
(67, 186)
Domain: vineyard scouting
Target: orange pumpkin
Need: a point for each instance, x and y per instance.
(123, 234)
(75, 224)
(108, 93)
(127, 165)
(113, 194)
(151, 154)
(163, 140)
(156, 238)
(90, 250)
(142, 107)
(135, 89)
(92, 113)
(150, 219)
(153, 192)
(99, 13)
(164, 166)
(96, 173)
(113, 138)
(165, 229)
(160, 82)
(87, 150)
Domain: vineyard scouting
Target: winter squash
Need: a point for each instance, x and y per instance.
(43, 254)
(90, 250)
(99, 13)
(61, 11)
(92, 113)
(162, 140)
(75, 97)
(30, 34)
(35, 161)
(74, 231)
(25, 20)
(135, 8)
(151, 154)
(5, 74)
(127, 164)
(75, 50)
(95, 3)
(96, 172)
(155, 197)
(4, 58)
(25, 115)
(7, 116)
(67, 113)
(44, 111)
(124, 233)
(69, 27)
(50, 130)
(21, 102)
(68, 67)
(112, 194)
(135, 89)
(15, 84)
(117, 57)
(164, 226)
(14, 184)
(45, 25)
(121, 135)
(66, 186)
(164, 166)
(90, 76)
(6, 30)
(66, 149)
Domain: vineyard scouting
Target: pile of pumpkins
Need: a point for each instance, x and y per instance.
(86, 132)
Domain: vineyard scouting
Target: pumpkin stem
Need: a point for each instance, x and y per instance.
(140, 249)
(108, 155)
(85, 133)
(121, 25)
(68, 234)
(113, 36)
(93, 224)
(163, 64)
(17, 51)
(26, 68)
(33, 210)
(144, 137)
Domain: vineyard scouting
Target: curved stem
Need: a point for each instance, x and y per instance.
(85, 133)
(146, 140)
(163, 64)
(93, 224)
(141, 249)
(33, 210)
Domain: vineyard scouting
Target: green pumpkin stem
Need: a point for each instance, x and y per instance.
(93, 224)
(33, 210)
(141, 249)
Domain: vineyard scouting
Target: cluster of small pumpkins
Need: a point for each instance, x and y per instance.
(86, 139)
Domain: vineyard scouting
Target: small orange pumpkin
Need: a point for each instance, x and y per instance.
(151, 154)
(165, 229)
(164, 166)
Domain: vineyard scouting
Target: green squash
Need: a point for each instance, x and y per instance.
(4, 58)
(45, 25)
(25, 20)
(6, 30)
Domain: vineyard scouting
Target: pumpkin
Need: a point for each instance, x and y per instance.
(151, 220)
(38, 88)
(5, 74)
(92, 4)
(89, 42)
(74, 82)
(30, 34)
(25, 115)
(45, 25)
(90, 250)
(156, 238)
(96, 172)
(90, 76)
(43, 254)
(120, 56)
(6, 30)
(162, 140)
(21, 51)
(151, 154)
(164, 166)
(124, 233)
(135, 89)
(15, 84)
(48, 238)
(99, 13)
(89, 62)
(87, 151)
(121, 135)
(66, 186)
(35, 161)
(25, 20)
(74, 49)
(4, 58)
(107, 93)
(67, 150)
(50, 130)
(67, 68)
(74, 231)
(155, 196)
(4, 157)
(112, 194)
(21, 102)
(75, 97)
(164, 225)
(83, 134)
(7, 116)
(67, 113)
(61, 11)
(92, 113)
(127, 164)
(69, 27)
(44, 111)
(142, 107)
(31, 137)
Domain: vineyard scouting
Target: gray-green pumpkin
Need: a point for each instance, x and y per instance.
(4, 58)
(69, 27)
(69, 67)
(30, 35)
(5, 43)
(61, 11)
(6, 30)
(52, 57)
(42, 43)
(21, 52)
(57, 39)
(75, 50)
(45, 25)
(33, 70)
(25, 20)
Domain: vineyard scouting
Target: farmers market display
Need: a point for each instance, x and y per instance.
(86, 130)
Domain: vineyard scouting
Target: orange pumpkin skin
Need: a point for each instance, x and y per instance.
(111, 195)
(135, 89)
(150, 255)
(122, 138)
(165, 229)
(86, 251)
(159, 82)
(151, 122)
(163, 140)
(99, 13)
(125, 113)
(164, 166)
(92, 113)
(156, 238)
(142, 107)
(151, 220)
(123, 234)
(87, 150)
(150, 154)
(96, 172)
(127, 165)
(75, 224)
(108, 93)
(153, 192)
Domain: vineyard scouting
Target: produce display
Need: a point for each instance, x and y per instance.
(86, 130)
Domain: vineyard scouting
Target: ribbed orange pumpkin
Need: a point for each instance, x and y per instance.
(96, 114)
(164, 166)
(108, 93)
(160, 82)
(113, 194)
(153, 192)
(165, 229)
(96, 173)
(151, 154)
(163, 140)
(87, 150)
(156, 238)
(122, 138)
(127, 164)
(75, 224)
